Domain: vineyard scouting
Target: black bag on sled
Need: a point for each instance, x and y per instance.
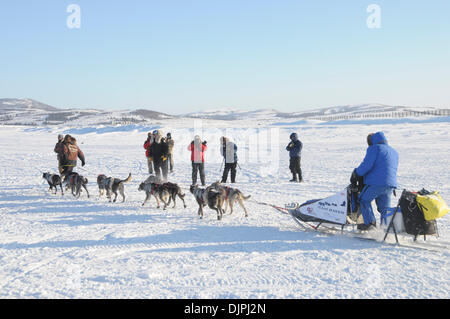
(415, 223)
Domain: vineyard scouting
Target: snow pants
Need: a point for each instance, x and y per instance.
(229, 167)
(296, 167)
(198, 167)
(382, 197)
(161, 169)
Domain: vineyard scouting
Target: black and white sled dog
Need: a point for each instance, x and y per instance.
(75, 182)
(53, 181)
(208, 197)
(112, 185)
(166, 193)
(231, 196)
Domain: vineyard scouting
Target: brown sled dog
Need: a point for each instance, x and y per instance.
(231, 196)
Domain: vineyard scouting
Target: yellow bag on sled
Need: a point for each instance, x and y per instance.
(432, 205)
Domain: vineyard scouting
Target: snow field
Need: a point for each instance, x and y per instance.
(61, 247)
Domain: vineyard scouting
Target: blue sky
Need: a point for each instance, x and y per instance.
(179, 56)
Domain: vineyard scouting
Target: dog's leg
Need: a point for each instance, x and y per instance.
(182, 198)
(174, 196)
(241, 202)
(115, 198)
(147, 196)
(165, 203)
(200, 209)
(157, 201)
(84, 186)
(231, 202)
(219, 213)
(122, 192)
(62, 192)
(226, 206)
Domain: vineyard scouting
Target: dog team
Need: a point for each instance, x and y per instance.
(159, 159)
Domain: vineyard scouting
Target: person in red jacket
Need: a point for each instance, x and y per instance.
(148, 142)
(197, 149)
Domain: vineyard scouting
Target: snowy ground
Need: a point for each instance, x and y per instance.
(61, 247)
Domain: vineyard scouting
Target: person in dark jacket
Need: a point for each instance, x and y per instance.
(198, 149)
(228, 150)
(378, 171)
(148, 142)
(158, 152)
(59, 150)
(295, 152)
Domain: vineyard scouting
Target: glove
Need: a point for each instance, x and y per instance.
(82, 164)
(164, 158)
(354, 177)
(150, 159)
(204, 142)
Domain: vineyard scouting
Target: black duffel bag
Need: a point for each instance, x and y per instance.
(415, 223)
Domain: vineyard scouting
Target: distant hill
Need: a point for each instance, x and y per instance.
(34, 113)
(31, 112)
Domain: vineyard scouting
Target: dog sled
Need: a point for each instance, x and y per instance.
(415, 215)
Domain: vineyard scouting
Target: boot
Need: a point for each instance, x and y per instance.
(367, 227)
(294, 178)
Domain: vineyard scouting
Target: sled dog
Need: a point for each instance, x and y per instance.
(75, 181)
(53, 181)
(112, 185)
(231, 196)
(211, 197)
(166, 193)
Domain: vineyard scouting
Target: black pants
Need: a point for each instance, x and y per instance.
(160, 168)
(295, 166)
(198, 167)
(229, 167)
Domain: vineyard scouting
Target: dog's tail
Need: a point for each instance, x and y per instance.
(246, 197)
(129, 178)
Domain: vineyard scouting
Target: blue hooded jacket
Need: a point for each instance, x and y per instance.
(295, 147)
(379, 167)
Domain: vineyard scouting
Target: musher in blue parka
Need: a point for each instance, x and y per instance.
(379, 173)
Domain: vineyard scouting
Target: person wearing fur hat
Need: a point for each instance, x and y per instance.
(159, 152)
(198, 149)
(71, 154)
(295, 151)
(228, 150)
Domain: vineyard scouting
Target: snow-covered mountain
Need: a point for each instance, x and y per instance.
(31, 112)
